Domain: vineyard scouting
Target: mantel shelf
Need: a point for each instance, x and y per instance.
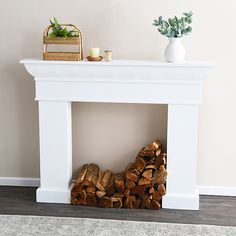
(192, 64)
(119, 81)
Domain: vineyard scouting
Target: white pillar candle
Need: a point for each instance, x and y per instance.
(94, 52)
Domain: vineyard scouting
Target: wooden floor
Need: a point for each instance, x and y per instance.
(213, 209)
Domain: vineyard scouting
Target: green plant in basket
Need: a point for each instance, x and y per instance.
(61, 32)
(174, 27)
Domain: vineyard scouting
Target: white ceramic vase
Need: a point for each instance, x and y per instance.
(175, 51)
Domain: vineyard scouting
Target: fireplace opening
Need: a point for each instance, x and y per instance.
(111, 135)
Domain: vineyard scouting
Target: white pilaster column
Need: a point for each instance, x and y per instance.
(181, 185)
(55, 151)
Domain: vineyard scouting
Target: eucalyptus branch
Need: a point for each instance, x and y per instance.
(174, 27)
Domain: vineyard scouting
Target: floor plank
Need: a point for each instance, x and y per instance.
(214, 210)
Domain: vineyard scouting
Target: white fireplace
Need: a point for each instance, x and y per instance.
(59, 83)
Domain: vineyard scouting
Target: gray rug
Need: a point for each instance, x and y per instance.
(50, 226)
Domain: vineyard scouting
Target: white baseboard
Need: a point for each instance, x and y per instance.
(35, 182)
(217, 190)
(181, 201)
(14, 181)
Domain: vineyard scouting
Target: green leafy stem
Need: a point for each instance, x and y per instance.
(174, 27)
(61, 32)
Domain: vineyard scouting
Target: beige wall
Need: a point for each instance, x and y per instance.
(112, 134)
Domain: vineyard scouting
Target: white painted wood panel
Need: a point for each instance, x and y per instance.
(58, 83)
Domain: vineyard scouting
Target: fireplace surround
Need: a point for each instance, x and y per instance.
(59, 83)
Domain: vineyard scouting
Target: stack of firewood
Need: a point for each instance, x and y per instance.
(141, 185)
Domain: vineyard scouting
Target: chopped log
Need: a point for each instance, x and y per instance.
(127, 192)
(119, 183)
(98, 184)
(132, 175)
(155, 186)
(100, 194)
(164, 155)
(151, 190)
(147, 174)
(82, 174)
(81, 198)
(145, 203)
(140, 153)
(74, 201)
(158, 152)
(106, 178)
(90, 190)
(148, 155)
(140, 164)
(75, 190)
(81, 201)
(92, 175)
(137, 204)
(155, 205)
(105, 202)
(160, 160)
(118, 195)
(162, 168)
(91, 199)
(161, 189)
(129, 166)
(156, 196)
(83, 194)
(160, 177)
(144, 181)
(130, 201)
(139, 190)
(117, 202)
(110, 189)
(153, 167)
(164, 158)
(154, 146)
(142, 205)
(129, 184)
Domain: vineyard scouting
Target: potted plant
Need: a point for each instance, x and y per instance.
(57, 34)
(174, 29)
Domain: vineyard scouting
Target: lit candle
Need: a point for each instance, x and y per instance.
(94, 52)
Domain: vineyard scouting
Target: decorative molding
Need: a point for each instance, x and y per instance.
(119, 81)
(217, 190)
(16, 181)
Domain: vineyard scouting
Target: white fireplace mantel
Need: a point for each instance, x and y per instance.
(58, 83)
